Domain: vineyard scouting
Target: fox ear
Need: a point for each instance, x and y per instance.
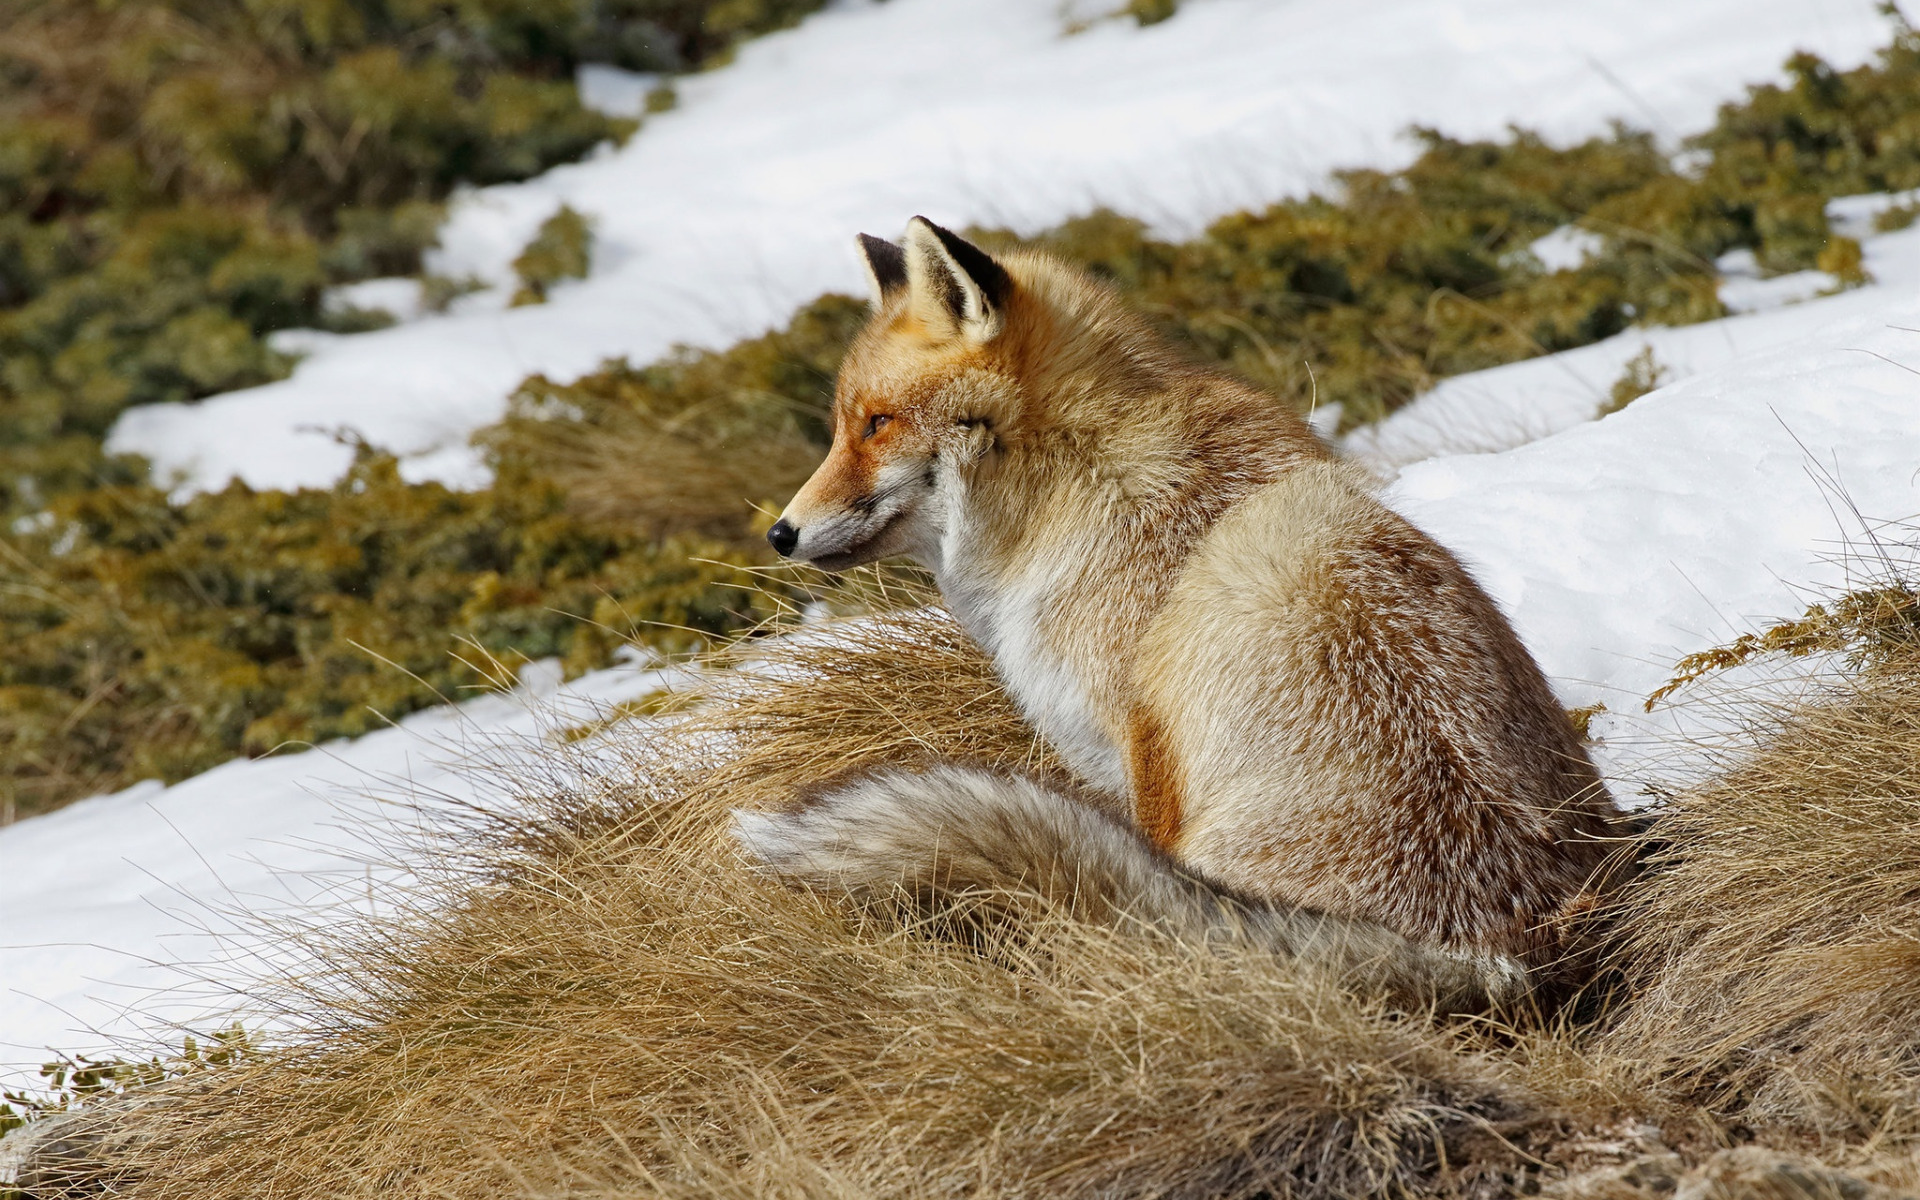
(953, 285)
(886, 267)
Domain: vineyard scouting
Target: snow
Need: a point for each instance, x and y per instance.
(1521, 402)
(1702, 509)
(1745, 288)
(1566, 248)
(720, 217)
(398, 298)
(130, 916)
(1617, 545)
(613, 91)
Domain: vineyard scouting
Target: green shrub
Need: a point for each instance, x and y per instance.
(149, 639)
(1900, 216)
(562, 249)
(690, 444)
(73, 1082)
(1369, 296)
(1642, 374)
(1152, 12)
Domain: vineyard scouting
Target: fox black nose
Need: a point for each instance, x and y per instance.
(783, 538)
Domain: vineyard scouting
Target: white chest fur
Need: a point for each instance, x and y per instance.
(1008, 614)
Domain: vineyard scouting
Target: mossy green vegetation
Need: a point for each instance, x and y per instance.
(72, 1082)
(1152, 12)
(1642, 374)
(149, 639)
(1367, 296)
(561, 249)
(704, 443)
(154, 638)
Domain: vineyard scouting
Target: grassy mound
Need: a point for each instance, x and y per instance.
(652, 1018)
(1774, 948)
(608, 1003)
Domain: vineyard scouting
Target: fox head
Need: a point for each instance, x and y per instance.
(918, 400)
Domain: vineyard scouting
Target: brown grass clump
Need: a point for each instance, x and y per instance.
(695, 442)
(606, 1002)
(1775, 946)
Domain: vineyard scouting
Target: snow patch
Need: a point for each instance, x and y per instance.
(1566, 248)
(399, 298)
(613, 91)
(123, 911)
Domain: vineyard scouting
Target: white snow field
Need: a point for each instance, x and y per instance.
(1617, 545)
(718, 219)
(1733, 496)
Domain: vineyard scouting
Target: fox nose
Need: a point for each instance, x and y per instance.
(783, 538)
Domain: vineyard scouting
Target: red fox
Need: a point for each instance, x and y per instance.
(1293, 714)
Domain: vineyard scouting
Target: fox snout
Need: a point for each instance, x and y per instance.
(835, 532)
(783, 537)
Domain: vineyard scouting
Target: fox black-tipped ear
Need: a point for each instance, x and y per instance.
(886, 267)
(954, 285)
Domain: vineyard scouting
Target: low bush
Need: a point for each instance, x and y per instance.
(149, 639)
(701, 442)
(561, 249)
(154, 638)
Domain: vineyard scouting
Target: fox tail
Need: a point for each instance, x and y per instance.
(950, 833)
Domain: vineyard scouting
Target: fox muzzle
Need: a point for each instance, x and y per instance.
(783, 537)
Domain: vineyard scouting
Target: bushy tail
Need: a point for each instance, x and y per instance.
(952, 832)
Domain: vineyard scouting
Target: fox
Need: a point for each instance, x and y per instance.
(1292, 718)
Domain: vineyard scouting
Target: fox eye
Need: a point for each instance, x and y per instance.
(874, 424)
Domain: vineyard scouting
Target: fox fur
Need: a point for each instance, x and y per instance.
(1311, 723)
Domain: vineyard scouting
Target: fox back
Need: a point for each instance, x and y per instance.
(1278, 682)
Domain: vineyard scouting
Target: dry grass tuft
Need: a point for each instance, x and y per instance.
(1774, 948)
(610, 1004)
(669, 474)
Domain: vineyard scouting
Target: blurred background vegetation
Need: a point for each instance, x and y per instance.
(182, 177)
(179, 178)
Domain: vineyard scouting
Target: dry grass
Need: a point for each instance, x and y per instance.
(670, 473)
(609, 1003)
(1775, 948)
